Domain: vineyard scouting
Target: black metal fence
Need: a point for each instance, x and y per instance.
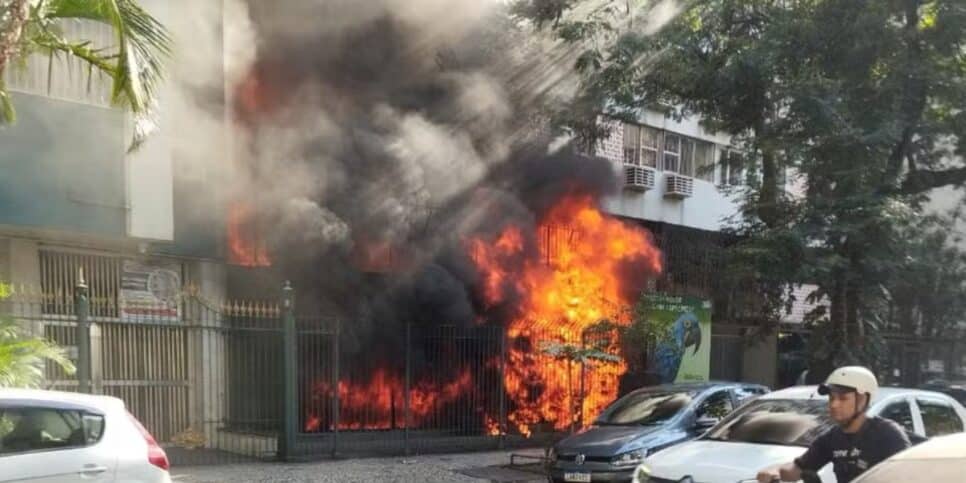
(220, 382)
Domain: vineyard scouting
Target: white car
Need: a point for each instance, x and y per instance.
(48, 436)
(777, 427)
(939, 459)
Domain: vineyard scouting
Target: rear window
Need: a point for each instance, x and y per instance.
(784, 422)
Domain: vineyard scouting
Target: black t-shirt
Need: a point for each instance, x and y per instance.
(853, 454)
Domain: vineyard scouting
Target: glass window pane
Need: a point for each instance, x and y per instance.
(650, 137)
(671, 162)
(33, 429)
(645, 407)
(632, 156)
(649, 157)
(776, 422)
(632, 136)
(704, 160)
(687, 157)
(672, 143)
(736, 168)
(900, 413)
(717, 406)
(939, 418)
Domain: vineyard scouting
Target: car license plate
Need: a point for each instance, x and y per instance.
(577, 477)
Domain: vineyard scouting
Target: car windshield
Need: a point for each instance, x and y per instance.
(775, 421)
(645, 407)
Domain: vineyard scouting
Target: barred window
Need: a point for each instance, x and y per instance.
(59, 272)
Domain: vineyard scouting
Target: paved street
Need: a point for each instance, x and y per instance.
(435, 468)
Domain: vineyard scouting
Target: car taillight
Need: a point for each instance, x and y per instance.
(156, 454)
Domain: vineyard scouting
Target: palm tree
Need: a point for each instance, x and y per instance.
(22, 357)
(134, 65)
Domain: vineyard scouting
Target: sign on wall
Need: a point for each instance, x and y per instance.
(150, 291)
(686, 353)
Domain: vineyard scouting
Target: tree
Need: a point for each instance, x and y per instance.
(22, 357)
(135, 64)
(858, 102)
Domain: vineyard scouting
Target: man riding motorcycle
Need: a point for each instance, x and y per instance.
(857, 442)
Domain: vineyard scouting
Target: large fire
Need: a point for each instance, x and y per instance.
(379, 403)
(244, 246)
(574, 283)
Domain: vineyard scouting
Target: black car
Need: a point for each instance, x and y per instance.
(641, 423)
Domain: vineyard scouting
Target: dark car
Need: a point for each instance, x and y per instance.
(641, 423)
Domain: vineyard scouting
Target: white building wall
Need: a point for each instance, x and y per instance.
(150, 182)
(707, 209)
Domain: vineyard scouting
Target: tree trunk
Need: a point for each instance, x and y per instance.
(768, 197)
(767, 203)
(913, 99)
(821, 366)
(19, 12)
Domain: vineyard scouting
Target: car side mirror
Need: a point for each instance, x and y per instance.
(705, 422)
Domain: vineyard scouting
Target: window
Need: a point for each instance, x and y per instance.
(644, 407)
(672, 153)
(687, 157)
(717, 406)
(39, 429)
(775, 421)
(641, 145)
(650, 145)
(745, 393)
(697, 159)
(632, 144)
(732, 167)
(900, 413)
(704, 160)
(939, 417)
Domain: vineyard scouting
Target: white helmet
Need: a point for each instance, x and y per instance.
(853, 378)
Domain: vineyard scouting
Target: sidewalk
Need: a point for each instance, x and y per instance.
(432, 468)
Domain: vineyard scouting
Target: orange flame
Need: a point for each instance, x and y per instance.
(379, 403)
(243, 246)
(574, 284)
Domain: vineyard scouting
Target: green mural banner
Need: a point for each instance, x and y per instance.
(685, 355)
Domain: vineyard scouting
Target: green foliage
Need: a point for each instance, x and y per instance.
(859, 103)
(135, 64)
(22, 357)
(595, 347)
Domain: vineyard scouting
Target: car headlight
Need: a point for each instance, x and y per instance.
(642, 474)
(630, 458)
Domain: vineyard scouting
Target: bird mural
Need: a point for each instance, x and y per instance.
(685, 333)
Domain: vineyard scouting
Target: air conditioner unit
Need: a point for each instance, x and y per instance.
(638, 178)
(678, 186)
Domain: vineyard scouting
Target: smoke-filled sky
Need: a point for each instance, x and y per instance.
(404, 123)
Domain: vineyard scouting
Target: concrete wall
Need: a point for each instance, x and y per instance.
(761, 361)
(63, 167)
(149, 169)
